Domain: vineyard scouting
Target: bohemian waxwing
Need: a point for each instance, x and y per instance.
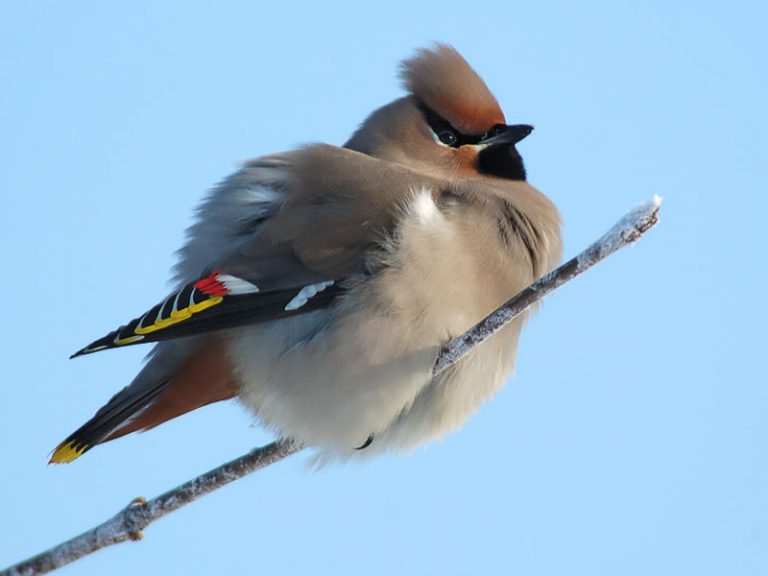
(319, 285)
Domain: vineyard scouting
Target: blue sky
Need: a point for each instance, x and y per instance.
(633, 438)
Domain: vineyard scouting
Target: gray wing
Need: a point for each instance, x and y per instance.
(280, 237)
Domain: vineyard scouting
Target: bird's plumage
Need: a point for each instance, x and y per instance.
(318, 285)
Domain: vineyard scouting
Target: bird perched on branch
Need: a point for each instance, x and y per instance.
(319, 285)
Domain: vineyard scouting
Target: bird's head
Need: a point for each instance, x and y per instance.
(449, 123)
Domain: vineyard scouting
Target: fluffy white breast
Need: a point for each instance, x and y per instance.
(334, 378)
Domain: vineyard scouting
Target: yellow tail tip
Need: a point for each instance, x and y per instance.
(67, 452)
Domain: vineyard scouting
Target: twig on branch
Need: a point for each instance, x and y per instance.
(131, 520)
(129, 523)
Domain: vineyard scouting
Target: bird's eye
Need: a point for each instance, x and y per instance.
(442, 131)
(448, 137)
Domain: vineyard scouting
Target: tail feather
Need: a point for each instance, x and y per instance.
(120, 409)
(179, 378)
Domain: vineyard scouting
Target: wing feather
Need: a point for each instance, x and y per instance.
(215, 302)
(281, 225)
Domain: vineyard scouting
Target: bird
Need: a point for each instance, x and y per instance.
(316, 287)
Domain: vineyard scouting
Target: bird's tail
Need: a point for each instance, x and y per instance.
(180, 377)
(122, 408)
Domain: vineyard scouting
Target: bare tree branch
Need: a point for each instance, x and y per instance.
(625, 232)
(129, 522)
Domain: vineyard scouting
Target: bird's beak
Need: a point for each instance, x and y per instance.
(507, 135)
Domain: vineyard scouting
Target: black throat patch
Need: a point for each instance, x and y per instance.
(502, 161)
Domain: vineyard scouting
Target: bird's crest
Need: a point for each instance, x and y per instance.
(441, 79)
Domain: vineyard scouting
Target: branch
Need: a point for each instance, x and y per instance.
(625, 232)
(129, 523)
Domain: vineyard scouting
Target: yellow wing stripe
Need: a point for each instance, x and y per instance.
(176, 317)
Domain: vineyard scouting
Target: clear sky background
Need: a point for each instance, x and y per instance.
(633, 439)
